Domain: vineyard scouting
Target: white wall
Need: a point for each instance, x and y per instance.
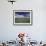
(38, 30)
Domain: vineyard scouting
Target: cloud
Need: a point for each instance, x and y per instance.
(19, 16)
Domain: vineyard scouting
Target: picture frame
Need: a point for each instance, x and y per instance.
(22, 17)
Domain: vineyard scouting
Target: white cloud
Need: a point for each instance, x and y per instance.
(19, 16)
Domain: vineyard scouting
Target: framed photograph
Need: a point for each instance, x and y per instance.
(22, 17)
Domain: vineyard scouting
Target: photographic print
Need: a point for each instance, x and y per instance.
(22, 17)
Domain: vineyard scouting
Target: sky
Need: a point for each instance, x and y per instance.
(23, 13)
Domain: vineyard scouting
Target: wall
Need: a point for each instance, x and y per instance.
(37, 31)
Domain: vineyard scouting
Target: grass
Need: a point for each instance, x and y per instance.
(22, 20)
